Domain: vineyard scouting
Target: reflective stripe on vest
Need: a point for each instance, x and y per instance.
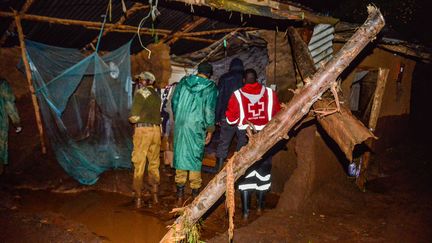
(241, 124)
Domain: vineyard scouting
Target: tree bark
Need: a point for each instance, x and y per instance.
(343, 127)
(279, 126)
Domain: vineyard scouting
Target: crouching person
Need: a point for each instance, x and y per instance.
(145, 115)
(193, 105)
(253, 106)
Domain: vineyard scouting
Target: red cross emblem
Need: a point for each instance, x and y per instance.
(256, 108)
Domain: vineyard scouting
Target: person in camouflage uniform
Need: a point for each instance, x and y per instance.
(145, 115)
(7, 109)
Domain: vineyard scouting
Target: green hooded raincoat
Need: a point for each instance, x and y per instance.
(193, 104)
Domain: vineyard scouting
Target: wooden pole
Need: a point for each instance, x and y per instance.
(30, 83)
(343, 127)
(373, 119)
(24, 9)
(142, 32)
(191, 38)
(271, 9)
(172, 38)
(82, 23)
(218, 31)
(121, 28)
(279, 126)
(135, 8)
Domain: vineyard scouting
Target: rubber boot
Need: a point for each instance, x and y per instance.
(219, 164)
(260, 196)
(195, 193)
(212, 170)
(167, 170)
(180, 195)
(154, 194)
(245, 198)
(139, 202)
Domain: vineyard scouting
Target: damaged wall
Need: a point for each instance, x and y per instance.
(255, 58)
(395, 107)
(318, 168)
(10, 57)
(159, 63)
(280, 68)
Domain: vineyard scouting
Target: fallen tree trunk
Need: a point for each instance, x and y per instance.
(343, 127)
(278, 128)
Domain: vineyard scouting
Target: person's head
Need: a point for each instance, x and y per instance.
(146, 78)
(236, 65)
(250, 76)
(206, 69)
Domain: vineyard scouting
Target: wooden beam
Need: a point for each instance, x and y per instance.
(278, 127)
(373, 119)
(24, 9)
(269, 9)
(142, 32)
(29, 81)
(343, 127)
(400, 47)
(191, 38)
(218, 31)
(173, 37)
(82, 23)
(135, 8)
(405, 50)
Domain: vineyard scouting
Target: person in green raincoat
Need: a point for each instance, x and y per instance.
(7, 109)
(193, 105)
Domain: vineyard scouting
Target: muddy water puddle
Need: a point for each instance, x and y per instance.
(108, 215)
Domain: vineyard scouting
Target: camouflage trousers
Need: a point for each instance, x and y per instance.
(195, 180)
(147, 142)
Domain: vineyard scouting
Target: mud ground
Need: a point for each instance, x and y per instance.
(41, 203)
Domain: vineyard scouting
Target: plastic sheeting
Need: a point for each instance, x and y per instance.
(85, 102)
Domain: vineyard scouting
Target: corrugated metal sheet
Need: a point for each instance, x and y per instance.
(321, 44)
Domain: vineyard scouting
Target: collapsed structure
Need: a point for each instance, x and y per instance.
(292, 58)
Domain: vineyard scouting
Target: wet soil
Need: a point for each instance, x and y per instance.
(41, 203)
(397, 207)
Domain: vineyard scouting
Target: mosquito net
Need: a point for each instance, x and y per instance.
(85, 101)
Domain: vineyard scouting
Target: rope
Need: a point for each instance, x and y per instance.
(153, 12)
(102, 28)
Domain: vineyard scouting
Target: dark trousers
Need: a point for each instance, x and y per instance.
(258, 176)
(227, 133)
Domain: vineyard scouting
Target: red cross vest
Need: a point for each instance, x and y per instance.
(254, 103)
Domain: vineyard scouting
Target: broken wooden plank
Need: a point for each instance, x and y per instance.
(279, 126)
(343, 127)
(373, 119)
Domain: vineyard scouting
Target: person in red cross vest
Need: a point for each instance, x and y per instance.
(253, 104)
